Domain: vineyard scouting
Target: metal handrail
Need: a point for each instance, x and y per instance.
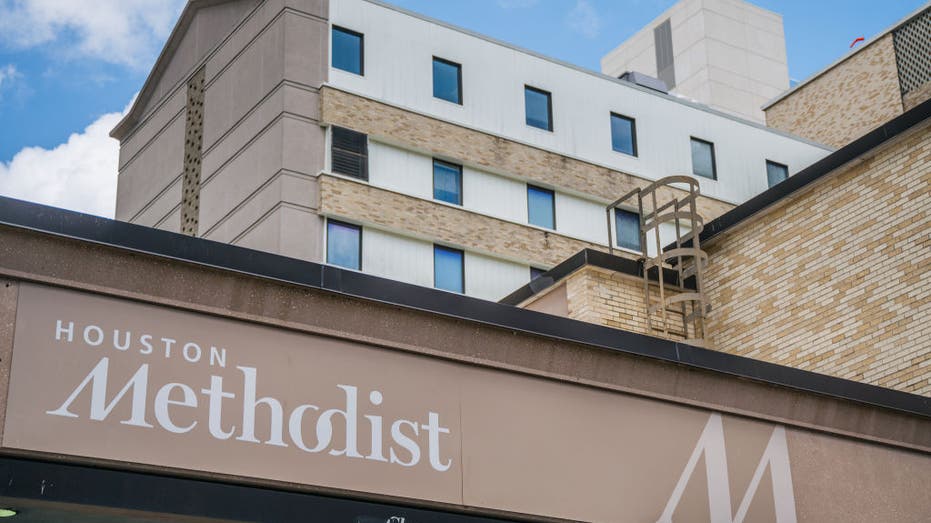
(687, 261)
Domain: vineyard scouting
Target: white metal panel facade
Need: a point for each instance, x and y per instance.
(494, 195)
(397, 257)
(491, 278)
(498, 196)
(410, 260)
(580, 218)
(399, 170)
(398, 55)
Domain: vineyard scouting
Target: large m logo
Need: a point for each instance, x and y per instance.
(711, 444)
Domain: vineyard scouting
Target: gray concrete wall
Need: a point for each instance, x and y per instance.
(151, 162)
(262, 145)
(210, 25)
(729, 54)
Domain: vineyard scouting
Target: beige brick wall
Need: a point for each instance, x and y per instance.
(915, 97)
(605, 297)
(483, 150)
(437, 222)
(852, 98)
(837, 279)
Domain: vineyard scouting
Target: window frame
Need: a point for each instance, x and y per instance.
(458, 168)
(633, 133)
(540, 272)
(361, 49)
(617, 231)
(714, 160)
(549, 108)
(347, 225)
(462, 282)
(777, 164)
(552, 205)
(458, 79)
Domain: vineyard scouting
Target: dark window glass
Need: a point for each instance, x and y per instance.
(448, 271)
(447, 182)
(447, 80)
(541, 208)
(344, 245)
(703, 159)
(776, 172)
(349, 153)
(347, 50)
(536, 273)
(539, 108)
(627, 229)
(623, 134)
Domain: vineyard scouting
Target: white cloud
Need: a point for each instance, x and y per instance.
(584, 20)
(79, 174)
(8, 73)
(127, 32)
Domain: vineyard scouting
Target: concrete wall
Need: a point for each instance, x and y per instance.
(835, 280)
(210, 25)
(262, 143)
(398, 53)
(843, 103)
(729, 54)
(150, 166)
(151, 154)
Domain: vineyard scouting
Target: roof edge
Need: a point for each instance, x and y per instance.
(587, 257)
(816, 171)
(42, 219)
(846, 56)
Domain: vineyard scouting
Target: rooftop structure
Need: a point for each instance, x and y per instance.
(728, 54)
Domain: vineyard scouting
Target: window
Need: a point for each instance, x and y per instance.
(348, 50)
(536, 273)
(703, 159)
(539, 108)
(349, 153)
(627, 229)
(776, 172)
(447, 182)
(344, 245)
(541, 208)
(448, 273)
(447, 80)
(623, 134)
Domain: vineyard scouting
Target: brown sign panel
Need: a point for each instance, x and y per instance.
(106, 378)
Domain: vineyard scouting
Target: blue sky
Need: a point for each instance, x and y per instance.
(68, 67)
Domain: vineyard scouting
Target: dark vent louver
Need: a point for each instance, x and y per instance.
(349, 153)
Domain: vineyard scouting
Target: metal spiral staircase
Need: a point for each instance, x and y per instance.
(673, 265)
